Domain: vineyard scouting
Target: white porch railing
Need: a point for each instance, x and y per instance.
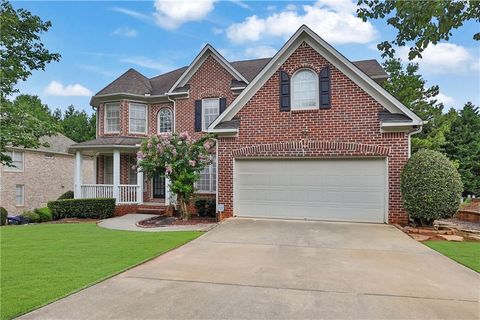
(127, 193)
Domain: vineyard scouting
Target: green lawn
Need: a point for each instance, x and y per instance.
(466, 253)
(41, 263)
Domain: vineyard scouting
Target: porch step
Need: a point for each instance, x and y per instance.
(152, 208)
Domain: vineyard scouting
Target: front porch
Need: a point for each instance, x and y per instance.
(116, 177)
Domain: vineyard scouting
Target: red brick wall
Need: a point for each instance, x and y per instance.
(350, 127)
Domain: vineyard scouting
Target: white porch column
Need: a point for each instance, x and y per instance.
(116, 173)
(167, 191)
(78, 175)
(140, 186)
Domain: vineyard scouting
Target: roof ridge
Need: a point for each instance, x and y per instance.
(163, 74)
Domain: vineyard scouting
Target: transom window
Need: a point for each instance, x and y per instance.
(208, 178)
(138, 118)
(112, 117)
(17, 160)
(210, 111)
(305, 90)
(165, 120)
(19, 195)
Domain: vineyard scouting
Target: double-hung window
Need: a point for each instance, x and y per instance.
(305, 90)
(108, 172)
(210, 111)
(112, 117)
(165, 120)
(208, 178)
(17, 160)
(19, 195)
(138, 118)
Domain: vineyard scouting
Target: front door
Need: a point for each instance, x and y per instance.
(158, 186)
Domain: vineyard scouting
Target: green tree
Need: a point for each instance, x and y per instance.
(23, 122)
(419, 22)
(21, 50)
(78, 125)
(408, 86)
(463, 146)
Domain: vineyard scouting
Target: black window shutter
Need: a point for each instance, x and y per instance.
(198, 115)
(324, 84)
(284, 91)
(223, 104)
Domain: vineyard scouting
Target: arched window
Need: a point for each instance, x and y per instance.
(165, 120)
(304, 89)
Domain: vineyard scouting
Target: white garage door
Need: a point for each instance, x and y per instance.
(334, 189)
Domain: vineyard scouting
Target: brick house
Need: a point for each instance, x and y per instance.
(304, 134)
(40, 175)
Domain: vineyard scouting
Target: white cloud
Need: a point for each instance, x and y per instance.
(172, 14)
(260, 52)
(442, 58)
(147, 63)
(217, 31)
(125, 32)
(241, 4)
(446, 100)
(335, 21)
(56, 88)
(271, 8)
(133, 14)
(476, 65)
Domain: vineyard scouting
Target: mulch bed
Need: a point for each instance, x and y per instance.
(165, 221)
(72, 220)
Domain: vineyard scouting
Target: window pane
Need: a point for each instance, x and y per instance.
(208, 178)
(210, 111)
(304, 89)
(132, 173)
(17, 160)
(108, 172)
(165, 120)
(138, 118)
(19, 195)
(112, 117)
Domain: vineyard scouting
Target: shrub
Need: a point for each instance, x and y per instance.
(45, 214)
(67, 195)
(431, 187)
(206, 207)
(99, 208)
(31, 217)
(3, 216)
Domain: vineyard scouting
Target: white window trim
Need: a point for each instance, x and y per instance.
(146, 117)
(204, 128)
(210, 177)
(317, 91)
(23, 195)
(105, 116)
(15, 169)
(158, 120)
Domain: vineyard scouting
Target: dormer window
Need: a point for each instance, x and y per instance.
(137, 118)
(112, 117)
(304, 86)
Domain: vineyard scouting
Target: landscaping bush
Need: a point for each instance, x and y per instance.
(206, 207)
(3, 216)
(45, 214)
(31, 217)
(431, 187)
(99, 208)
(67, 195)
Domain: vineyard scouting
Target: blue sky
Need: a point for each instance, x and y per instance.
(99, 41)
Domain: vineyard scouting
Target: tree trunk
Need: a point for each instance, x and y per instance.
(183, 207)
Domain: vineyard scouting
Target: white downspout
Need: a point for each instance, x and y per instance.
(167, 181)
(410, 139)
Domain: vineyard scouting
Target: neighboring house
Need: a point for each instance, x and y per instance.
(40, 175)
(305, 134)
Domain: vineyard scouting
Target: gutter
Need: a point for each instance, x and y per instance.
(409, 138)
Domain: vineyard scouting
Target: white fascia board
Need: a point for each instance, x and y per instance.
(331, 55)
(198, 61)
(397, 124)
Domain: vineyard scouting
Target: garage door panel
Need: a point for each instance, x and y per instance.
(349, 190)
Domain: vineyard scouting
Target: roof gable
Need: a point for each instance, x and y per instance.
(132, 82)
(304, 34)
(208, 50)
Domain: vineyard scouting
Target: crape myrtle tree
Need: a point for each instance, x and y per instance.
(180, 158)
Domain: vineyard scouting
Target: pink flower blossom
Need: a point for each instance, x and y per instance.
(174, 152)
(207, 145)
(184, 135)
(168, 169)
(149, 144)
(159, 147)
(140, 155)
(192, 163)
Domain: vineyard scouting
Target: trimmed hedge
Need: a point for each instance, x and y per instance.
(3, 216)
(67, 195)
(206, 207)
(99, 208)
(31, 217)
(45, 214)
(431, 187)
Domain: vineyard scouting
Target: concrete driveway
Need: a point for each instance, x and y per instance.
(266, 269)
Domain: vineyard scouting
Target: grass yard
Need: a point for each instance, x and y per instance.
(41, 263)
(466, 253)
